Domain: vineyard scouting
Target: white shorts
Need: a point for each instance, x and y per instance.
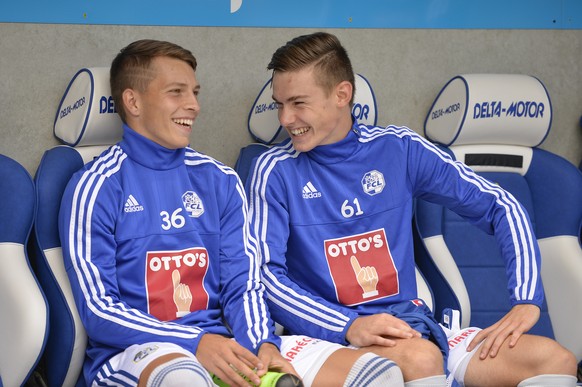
(458, 356)
(126, 367)
(305, 354)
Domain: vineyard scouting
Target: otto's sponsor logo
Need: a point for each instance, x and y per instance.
(168, 261)
(361, 267)
(460, 337)
(490, 109)
(355, 246)
(373, 182)
(175, 282)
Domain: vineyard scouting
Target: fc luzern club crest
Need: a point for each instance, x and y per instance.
(373, 182)
(192, 204)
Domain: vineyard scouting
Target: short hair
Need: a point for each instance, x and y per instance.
(130, 68)
(322, 50)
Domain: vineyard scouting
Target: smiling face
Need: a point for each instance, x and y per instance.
(165, 111)
(310, 114)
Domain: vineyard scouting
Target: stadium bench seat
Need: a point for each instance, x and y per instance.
(87, 124)
(23, 308)
(495, 123)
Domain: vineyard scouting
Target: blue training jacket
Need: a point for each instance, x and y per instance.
(157, 247)
(334, 226)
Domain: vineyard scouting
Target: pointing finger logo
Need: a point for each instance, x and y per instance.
(367, 277)
(182, 295)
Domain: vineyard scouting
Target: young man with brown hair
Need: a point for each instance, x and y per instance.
(339, 265)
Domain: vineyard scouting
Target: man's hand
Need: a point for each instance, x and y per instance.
(515, 323)
(270, 355)
(377, 329)
(228, 360)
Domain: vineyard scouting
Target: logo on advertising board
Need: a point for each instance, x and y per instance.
(519, 109)
(175, 282)
(361, 267)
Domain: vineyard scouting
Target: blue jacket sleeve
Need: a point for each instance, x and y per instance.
(437, 178)
(242, 295)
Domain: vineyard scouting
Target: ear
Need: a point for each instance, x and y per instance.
(344, 92)
(131, 102)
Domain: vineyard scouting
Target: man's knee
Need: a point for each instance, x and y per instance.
(558, 360)
(533, 362)
(425, 358)
(417, 358)
(548, 357)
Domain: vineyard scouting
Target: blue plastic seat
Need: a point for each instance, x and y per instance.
(23, 308)
(87, 130)
(495, 123)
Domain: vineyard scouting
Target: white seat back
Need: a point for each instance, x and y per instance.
(87, 123)
(494, 123)
(23, 308)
